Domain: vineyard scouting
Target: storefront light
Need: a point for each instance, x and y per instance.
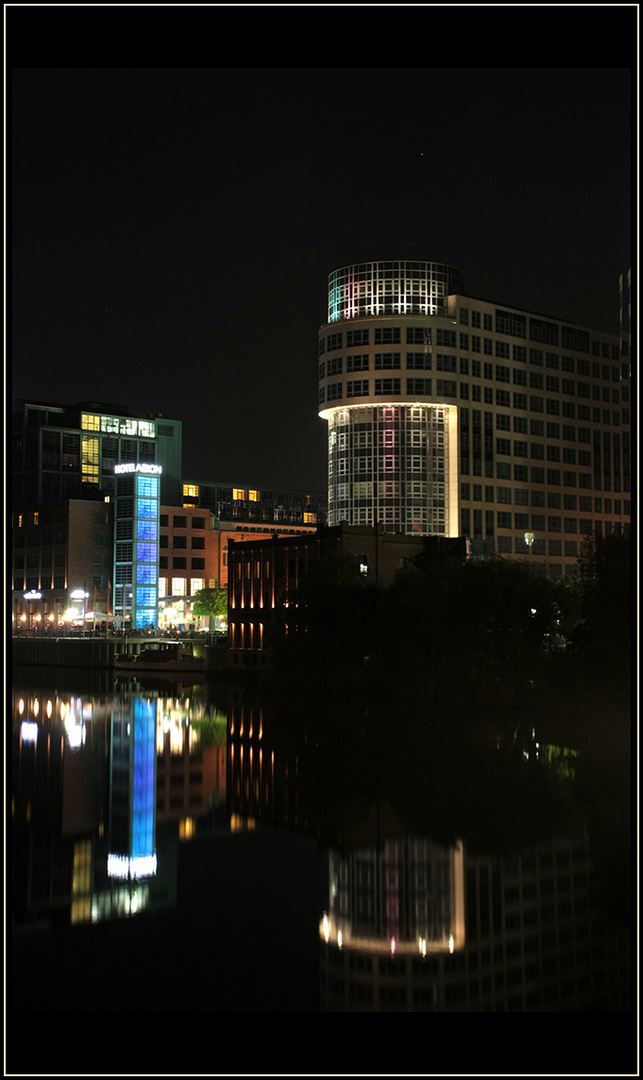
(29, 731)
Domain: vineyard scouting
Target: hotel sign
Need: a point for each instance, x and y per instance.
(139, 467)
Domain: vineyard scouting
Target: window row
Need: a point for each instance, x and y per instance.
(511, 324)
(196, 542)
(529, 541)
(179, 563)
(477, 369)
(504, 399)
(388, 335)
(181, 521)
(524, 497)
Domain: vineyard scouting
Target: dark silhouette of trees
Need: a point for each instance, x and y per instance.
(470, 631)
(602, 642)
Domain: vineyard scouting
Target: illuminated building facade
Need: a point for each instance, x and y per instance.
(69, 451)
(257, 506)
(137, 504)
(89, 481)
(61, 548)
(81, 478)
(194, 555)
(454, 416)
(264, 572)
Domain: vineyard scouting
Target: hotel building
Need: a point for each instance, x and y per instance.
(102, 519)
(91, 454)
(450, 415)
(257, 507)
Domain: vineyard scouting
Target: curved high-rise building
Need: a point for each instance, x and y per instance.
(450, 415)
(391, 430)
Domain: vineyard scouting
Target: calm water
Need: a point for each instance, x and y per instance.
(191, 848)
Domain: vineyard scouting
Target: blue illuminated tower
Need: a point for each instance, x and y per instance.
(136, 543)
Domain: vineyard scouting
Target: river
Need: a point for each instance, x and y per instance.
(190, 847)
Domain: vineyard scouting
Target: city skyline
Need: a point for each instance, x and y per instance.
(177, 258)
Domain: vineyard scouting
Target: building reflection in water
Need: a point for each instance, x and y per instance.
(104, 788)
(513, 933)
(412, 925)
(107, 786)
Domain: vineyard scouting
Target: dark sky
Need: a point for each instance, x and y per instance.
(172, 229)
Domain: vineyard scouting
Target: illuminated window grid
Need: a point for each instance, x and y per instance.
(405, 449)
(146, 552)
(190, 495)
(114, 425)
(90, 459)
(394, 287)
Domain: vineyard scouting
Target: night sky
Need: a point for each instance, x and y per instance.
(172, 229)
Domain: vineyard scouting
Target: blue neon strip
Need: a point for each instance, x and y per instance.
(143, 778)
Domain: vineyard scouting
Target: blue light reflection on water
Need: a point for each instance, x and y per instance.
(229, 920)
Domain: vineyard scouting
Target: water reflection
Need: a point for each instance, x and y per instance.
(413, 927)
(98, 782)
(418, 915)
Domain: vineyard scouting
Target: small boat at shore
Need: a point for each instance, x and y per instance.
(160, 658)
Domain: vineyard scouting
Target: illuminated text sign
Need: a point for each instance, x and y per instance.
(139, 467)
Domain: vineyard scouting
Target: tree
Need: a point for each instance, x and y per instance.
(208, 603)
(603, 638)
(469, 631)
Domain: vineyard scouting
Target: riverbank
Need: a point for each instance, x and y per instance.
(100, 653)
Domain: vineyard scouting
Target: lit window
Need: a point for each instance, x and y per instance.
(147, 429)
(146, 574)
(253, 496)
(238, 493)
(147, 508)
(110, 424)
(145, 597)
(146, 552)
(191, 489)
(90, 459)
(178, 586)
(196, 583)
(309, 518)
(89, 422)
